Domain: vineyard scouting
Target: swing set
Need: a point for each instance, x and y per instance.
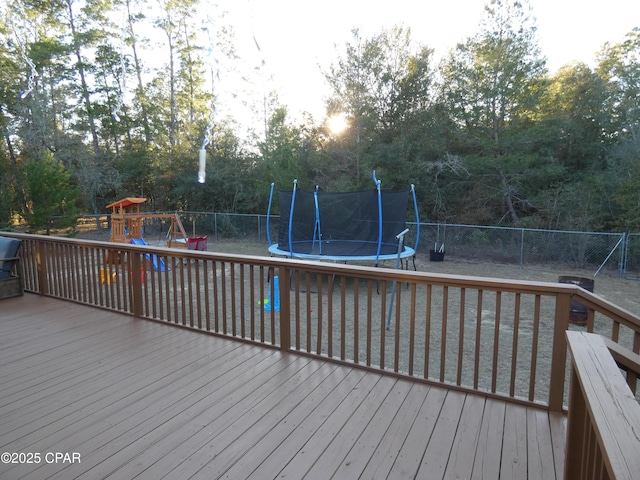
(127, 224)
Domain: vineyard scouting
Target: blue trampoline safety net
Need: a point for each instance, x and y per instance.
(341, 224)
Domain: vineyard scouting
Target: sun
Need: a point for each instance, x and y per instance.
(337, 123)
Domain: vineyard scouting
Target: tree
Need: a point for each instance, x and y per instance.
(134, 42)
(570, 110)
(10, 79)
(382, 84)
(184, 75)
(110, 78)
(87, 30)
(490, 86)
(620, 67)
(490, 81)
(49, 191)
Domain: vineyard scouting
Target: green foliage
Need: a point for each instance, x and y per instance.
(48, 191)
(628, 197)
(8, 196)
(571, 110)
(486, 137)
(489, 81)
(383, 85)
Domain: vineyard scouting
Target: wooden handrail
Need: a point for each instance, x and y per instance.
(604, 416)
(626, 360)
(485, 345)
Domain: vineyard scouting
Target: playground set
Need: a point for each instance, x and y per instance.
(127, 226)
(127, 222)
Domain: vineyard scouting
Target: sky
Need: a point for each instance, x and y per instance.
(299, 39)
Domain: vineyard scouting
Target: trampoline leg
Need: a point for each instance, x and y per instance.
(400, 238)
(393, 296)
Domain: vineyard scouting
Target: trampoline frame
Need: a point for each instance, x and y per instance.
(404, 253)
(407, 252)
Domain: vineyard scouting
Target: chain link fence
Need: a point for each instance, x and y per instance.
(522, 246)
(631, 267)
(615, 253)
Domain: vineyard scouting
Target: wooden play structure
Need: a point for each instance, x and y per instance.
(127, 223)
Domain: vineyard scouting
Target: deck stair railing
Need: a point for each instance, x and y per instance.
(499, 338)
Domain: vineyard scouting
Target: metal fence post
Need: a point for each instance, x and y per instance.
(521, 247)
(259, 234)
(623, 255)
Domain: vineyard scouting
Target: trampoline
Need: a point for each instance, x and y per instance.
(366, 225)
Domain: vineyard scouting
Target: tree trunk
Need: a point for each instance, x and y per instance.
(12, 154)
(83, 82)
(136, 60)
(508, 198)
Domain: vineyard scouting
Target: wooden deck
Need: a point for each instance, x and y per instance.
(139, 399)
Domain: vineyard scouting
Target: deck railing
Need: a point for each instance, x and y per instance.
(500, 338)
(604, 416)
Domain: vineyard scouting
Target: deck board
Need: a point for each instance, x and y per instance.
(359, 454)
(380, 464)
(409, 458)
(460, 463)
(334, 455)
(558, 427)
(441, 444)
(138, 399)
(514, 443)
(486, 463)
(297, 435)
(538, 444)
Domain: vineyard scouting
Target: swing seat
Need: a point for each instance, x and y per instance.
(197, 243)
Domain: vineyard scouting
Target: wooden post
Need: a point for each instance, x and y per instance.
(559, 352)
(285, 309)
(576, 418)
(135, 277)
(41, 264)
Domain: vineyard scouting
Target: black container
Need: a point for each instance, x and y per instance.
(436, 256)
(578, 312)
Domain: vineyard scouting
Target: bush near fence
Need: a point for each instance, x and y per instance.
(615, 253)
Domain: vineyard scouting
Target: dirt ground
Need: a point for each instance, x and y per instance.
(623, 292)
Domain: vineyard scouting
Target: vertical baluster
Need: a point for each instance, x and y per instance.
(356, 319)
(427, 330)
(514, 346)
(461, 336)
(412, 328)
(534, 348)
(478, 345)
(443, 345)
(496, 342)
